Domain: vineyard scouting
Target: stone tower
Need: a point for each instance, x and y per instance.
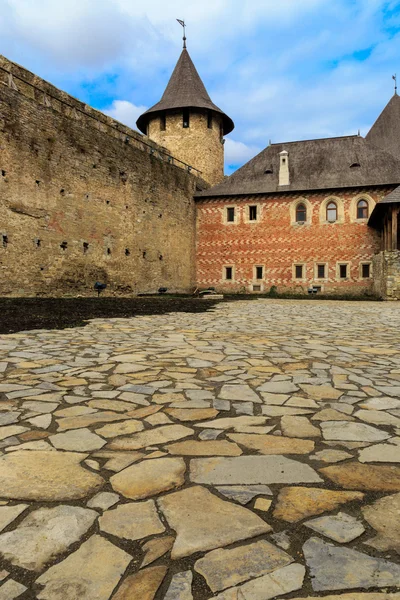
(188, 123)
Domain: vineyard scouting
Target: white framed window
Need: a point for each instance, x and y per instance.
(299, 272)
(342, 271)
(228, 273)
(321, 271)
(365, 270)
(230, 215)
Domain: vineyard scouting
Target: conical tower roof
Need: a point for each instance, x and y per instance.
(385, 132)
(185, 89)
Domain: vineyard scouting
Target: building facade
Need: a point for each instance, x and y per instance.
(85, 198)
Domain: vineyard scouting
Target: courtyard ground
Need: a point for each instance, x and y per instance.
(244, 453)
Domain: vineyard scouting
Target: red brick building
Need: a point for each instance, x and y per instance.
(298, 216)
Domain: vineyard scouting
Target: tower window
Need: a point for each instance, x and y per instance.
(186, 118)
(362, 209)
(85, 247)
(209, 119)
(301, 213)
(331, 212)
(252, 213)
(230, 214)
(64, 246)
(229, 273)
(163, 122)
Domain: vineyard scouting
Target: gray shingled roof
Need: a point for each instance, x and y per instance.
(329, 163)
(385, 132)
(185, 89)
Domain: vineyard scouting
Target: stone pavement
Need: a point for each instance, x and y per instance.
(246, 453)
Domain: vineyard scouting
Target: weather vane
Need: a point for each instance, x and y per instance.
(395, 83)
(184, 31)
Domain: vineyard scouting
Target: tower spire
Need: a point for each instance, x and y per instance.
(395, 83)
(184, 31)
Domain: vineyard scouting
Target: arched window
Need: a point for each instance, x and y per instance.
(362, 209)
(301, 213)
(331, 212)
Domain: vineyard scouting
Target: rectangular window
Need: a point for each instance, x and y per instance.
(366, 271)
(209, 119)
(230, 214)
(163, 122)
(186, 118)
(259, 272)
(252, 213)
(229, 273)
(298, 271)
(320, 271)
(343, 271)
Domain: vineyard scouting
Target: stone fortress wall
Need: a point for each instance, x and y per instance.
(84, 198)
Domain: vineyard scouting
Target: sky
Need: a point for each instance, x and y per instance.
(282, 70)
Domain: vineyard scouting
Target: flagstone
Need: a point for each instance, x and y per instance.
(203, 521)
(234, 423)
(207, 448)
(142, 585)
(92, 571)
(243, 493)
(282, 411)
(239, 392)
(66, 423)
(9, 513)
(224, 568)
(155, 548)
(77, 440)
(389, 452)
(45, 534)
(383, 516)
(331, 414)
(377, 417)
(151, 437)
(357, 432)
(149, 478)
(298, 427)
(242, 470)
(11, 589)
(338, 568)
(114, 405)
(46, 476)
(74, 411)
(262, 504)
(121, 428)
(280, 582)
(9, 418)
(271, 444)
(180, 587)
(297, 503)
(342, 528)
(321, 392)
(132, 521)
(189, 414)
(103, 500)
(357, 476)
(331, 456)
(278, 387)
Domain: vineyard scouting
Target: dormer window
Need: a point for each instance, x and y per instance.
(186, 118)
(268, 171)
(355, 165)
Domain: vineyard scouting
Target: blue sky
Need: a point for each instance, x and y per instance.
(283, 71)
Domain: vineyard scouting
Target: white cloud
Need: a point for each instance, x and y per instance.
(125, 112)
(237, 153)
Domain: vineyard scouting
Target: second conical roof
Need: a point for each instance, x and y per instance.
(385, 132)
(185, 89)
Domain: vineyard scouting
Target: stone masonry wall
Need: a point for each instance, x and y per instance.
(84, 198)
(197, 145)
(277, 243)
(387, 275)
